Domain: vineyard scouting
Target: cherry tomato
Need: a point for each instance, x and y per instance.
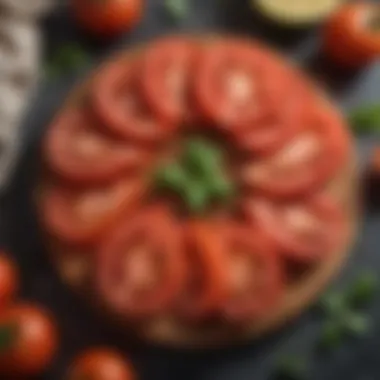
(107, 18)
(141, 269)
(351, 37)
(117, 102)
(207, 286)
(238, 85)
(100, 364)
(9, 280)
(29, 340)
(307, 162)
(304, 231)
(78, 152)
(83, 216)
(255, 274)
(167, 70)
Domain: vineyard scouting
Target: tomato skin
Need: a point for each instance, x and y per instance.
(207, 262)
(311, 247)
(107, 18)
(167, 96)
(65, 219)
(35, 341)
(117, 102)
(78, 152)
(154, 229)
(347, 37)
(311, 176)
(266, 265)
(9, 280)
(100, 364)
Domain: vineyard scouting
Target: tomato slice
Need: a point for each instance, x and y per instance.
(118, 104)
(305, 231)
(82, 216)
(306, 162)
(255, 274)
(79, 152)
(165, 77)
(141, 269)
(238, 84)
(207, 286)
(277, 124)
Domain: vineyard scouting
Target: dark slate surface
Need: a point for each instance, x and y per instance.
(356, 360)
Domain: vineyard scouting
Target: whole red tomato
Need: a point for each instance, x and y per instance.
(352, 36)
(107, 17)
(28, 340)
(100, 364)
(8, 280)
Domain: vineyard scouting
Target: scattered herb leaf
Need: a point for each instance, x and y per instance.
(363, 289)
(332, 334)
(366, 118)
(333, 304)
(291, 367)
(65, 59)
(178, 9)
(357, 324)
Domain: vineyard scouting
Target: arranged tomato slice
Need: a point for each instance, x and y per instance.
(207, 286)
(306, 162)
(238, 84)
(79, 152)
(117, 102)
(255, 275)
(100, 363)
(277, 124)
(141, 269)
(82, 216)
(304, 230)
(167, 68)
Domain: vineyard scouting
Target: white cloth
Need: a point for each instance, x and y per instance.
(20, 54)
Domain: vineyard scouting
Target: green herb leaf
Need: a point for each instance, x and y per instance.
(201, 158)
(196, 197)
(334, 304)
(221, 187)
(7, 336)
(363, 289)
(357, 324)
(366, 118)
(332, 334)
(178, 9)
(171, 177)
(291, 367)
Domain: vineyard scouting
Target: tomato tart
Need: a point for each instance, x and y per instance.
(201, 190)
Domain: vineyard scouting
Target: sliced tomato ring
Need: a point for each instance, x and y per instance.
(306, 162)
(117, 102)
(255, 274)
(305, 230)
(167, 67)
(76, 150)
(237, 84)
(141, 267)
(207, 286)
(277, 124)
(81, 217)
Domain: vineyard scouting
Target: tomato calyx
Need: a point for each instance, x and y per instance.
(8, 335)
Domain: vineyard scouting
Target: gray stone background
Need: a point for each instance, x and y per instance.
(355, 360)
